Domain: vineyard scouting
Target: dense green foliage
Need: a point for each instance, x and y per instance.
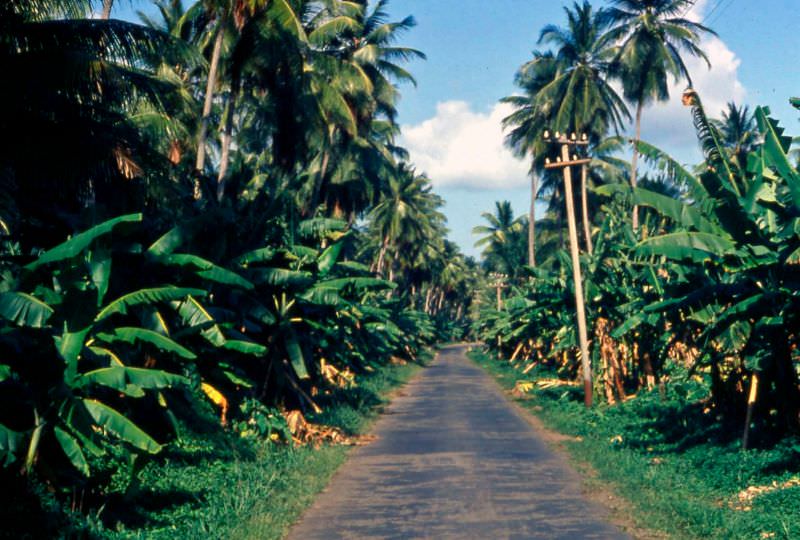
(676, 460)
(209, 483)
(689, 272)
(208, 210)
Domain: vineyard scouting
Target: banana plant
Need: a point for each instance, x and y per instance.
(75, 361)
(733, 252)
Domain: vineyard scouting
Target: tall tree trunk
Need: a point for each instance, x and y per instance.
(209, 98)
(635, 159)
(227, 137)
(382, 255)
(587, 231)
(580, 310)
(532, 224)
(428, 296)
(106, 13)
(319, 180)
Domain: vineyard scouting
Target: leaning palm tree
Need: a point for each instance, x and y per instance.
(651, 35)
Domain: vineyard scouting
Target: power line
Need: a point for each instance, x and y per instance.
(716, 6)
(688, 8)
(719, 14)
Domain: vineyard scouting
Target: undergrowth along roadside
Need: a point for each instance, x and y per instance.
(681, 469)
(218, 485)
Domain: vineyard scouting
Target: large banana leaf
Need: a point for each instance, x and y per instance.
(207, 270)
(696, 246)
(316, 227)
(24, 310)
(135, 335)
(282, 277)
(169, 241)
(675, 171)
(10, 444)
(146, 296)
(122, 377)
(69, 346)
(100, 267)
(264, 254)
(72, 449)
(775, 148)
(329, 257)
(121, 427)
(357, 283)
(194, 314)
(295, 354)
(683, 214)
(323, 296)
(245, 347)
(74, 246)
(5, 372)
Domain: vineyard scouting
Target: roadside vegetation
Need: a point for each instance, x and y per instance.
(688, 275)
(678, 465)
(213, 258)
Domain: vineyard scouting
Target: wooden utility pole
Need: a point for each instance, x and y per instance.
(564, 162)
(532, 223)
(499, 284)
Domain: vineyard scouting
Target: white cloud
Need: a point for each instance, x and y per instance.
(669, 124)
(461, 147)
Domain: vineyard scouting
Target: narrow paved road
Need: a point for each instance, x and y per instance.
(453, 459)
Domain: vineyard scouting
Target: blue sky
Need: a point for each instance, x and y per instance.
(474, 47)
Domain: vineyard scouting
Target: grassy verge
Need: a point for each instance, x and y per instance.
(222, 487)
(679, 468)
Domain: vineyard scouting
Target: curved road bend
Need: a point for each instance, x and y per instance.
(453, 459)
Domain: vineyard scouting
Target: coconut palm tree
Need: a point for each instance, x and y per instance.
(587, 103)
(75, 87)
(405, 214)
(362, 64)
(738, 129)
(651, 36)
(503, 239)
(527, 124)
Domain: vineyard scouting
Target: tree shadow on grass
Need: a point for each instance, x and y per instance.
(151, 508)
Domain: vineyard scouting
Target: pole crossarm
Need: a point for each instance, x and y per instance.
(559, 164)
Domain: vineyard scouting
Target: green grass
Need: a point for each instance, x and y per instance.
(218, 486)
(679, 467)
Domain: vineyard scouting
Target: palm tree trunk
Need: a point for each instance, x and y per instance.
(317, 188)
(428, 296)
(635, 159)
(227, 137)
(209, 97)
(532, 224)
(585, 210)
(577, 279)
(106, 13)
(382, 255)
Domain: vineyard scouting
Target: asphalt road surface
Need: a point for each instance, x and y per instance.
(453, 459)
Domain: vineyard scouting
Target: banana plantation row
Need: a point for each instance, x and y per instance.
(207, 210)
(688, 273)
